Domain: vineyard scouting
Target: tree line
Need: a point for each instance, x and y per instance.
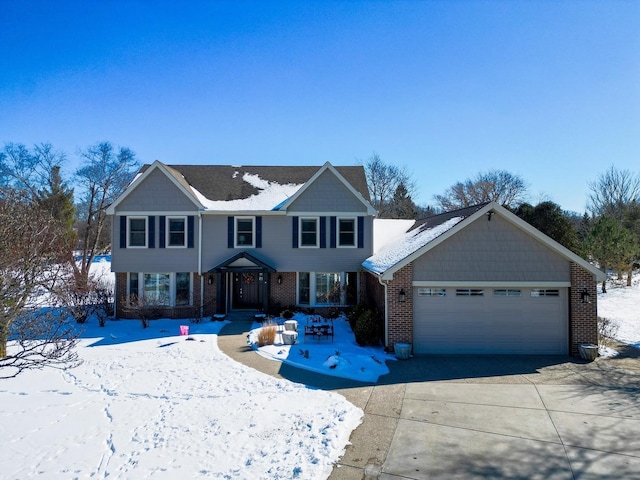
(607, 234)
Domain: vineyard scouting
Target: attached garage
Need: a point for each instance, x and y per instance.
(505, 320)
(482, 281)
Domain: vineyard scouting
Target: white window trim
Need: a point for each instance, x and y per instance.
(146, 232)
(312, 290)
(173, 287)
(355, 232)
(253, 232)
(167, 235)
(317, 220)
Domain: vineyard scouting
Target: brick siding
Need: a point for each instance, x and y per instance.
(583, 319)
(400, 314)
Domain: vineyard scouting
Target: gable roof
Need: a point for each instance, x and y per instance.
(247, 188)
(175, 177)
(328, 167)
(229, 187)
(430, 232)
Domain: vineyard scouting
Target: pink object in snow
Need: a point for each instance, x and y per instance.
(184, 329)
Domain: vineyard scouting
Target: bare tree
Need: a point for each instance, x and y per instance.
(33, 246)
(613, 193)
(103, 176)
(29, 171)
(498, 186)
(383, 181)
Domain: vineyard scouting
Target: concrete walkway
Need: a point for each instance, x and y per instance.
(467, 417)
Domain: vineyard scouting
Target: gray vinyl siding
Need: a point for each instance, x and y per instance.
(493, 250)
(153, 260)
(156, 193)
(327, 194)
(277, 251)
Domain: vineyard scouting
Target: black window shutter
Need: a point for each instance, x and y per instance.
(190, 231)
(258, 232)
(332, 232)
(123, 232)
(323, 232)
(230, 232)
(295, 232)
(360, 232)
(152, 232)
(162, 231)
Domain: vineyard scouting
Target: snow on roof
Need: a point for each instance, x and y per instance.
(411, 242)
(271, 194)
(389, 230)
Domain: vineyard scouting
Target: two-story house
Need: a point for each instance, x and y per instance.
(220, 238)
(225, 237)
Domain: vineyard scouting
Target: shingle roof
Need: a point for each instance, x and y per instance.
(420, 234)
(225, 182)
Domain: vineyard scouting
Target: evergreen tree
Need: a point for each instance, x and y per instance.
(549, 218)
(57, 199)
(402, 205)
(611, 245)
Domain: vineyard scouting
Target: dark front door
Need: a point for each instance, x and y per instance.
(246, 290)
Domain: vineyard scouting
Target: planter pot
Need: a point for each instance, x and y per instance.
(402, 350)
(291, 325)
(588, 351)
(289, 337)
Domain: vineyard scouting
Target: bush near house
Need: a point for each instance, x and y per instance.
(367, 324)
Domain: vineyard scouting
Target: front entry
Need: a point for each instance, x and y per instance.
(247, 293)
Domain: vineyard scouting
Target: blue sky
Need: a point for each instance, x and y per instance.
(549, 90)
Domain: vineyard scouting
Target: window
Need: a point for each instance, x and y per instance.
(304, 288)
(157, 287)
(244, 231)
(183, 289)
(177, 231)
(170, 289)
(133, 286)
(137, 232)
(536, 292)
(346, 232)
(432, 292)
(507, 292)
(469, 292)
(335, 288)
(328, 288)
(308, 232)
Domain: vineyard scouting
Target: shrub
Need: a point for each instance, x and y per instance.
(366, 326)
(607, 330)
(267, 335)
(287, 314)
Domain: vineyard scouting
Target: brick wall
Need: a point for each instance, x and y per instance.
(400, 314)
(209, 307)
(583, 317)
(283, 295)
(120, 292)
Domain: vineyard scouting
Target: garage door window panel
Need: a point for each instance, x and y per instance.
(469, 292)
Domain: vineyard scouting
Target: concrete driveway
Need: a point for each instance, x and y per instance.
(489, 417)
(499, 417)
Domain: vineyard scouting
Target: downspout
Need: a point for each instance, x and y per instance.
(200, 263)
(386, 311)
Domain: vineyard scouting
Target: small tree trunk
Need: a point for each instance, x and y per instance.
(604, 286)
(4, 338)
(629, 275)
(620, 270)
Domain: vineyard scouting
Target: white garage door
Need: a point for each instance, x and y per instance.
(490, 320)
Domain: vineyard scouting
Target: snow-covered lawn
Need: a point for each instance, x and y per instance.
(151, 403)
(621, 304)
